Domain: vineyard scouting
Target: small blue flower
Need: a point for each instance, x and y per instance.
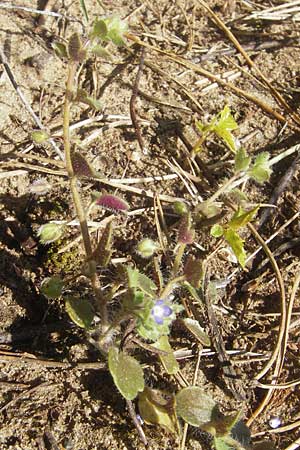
(160, 311)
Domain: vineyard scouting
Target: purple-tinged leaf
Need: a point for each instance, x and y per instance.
(186, 234)
(193, 271)
(80, 166)
(112, 202)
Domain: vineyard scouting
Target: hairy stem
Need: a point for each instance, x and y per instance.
(72, 67)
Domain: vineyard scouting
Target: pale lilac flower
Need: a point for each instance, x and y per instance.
(161, 311)
(275, 422)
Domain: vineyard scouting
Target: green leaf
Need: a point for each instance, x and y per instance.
(84, 10)
(237, 245)
(127, 373)
(224, 424)
(261, 171)
(158, 408)
(146, 248)
(224, 126)
(237, 196)
(100, 29)
(83, 97)
(193, 292)
(110, 29)
(242, 160)
(217, 230)
(102, 52)
(208, 209)
(194, 327)
(194, 406)
(116, 29)
(241, 218)
(220, 444)
(180, 208)
(141, 281)
(52, 287)
(80, 311)
(168, 360)
(60, 49)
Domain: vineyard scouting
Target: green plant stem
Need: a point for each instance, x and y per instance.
(72, 67)
(178, 258)
(166, 291)
(223, 188)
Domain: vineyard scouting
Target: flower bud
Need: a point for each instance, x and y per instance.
(180, 208)
(39, 136)
(50, 232)
(146, 248)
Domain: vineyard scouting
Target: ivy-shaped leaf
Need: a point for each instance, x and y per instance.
(241, 160)
(224, 126)
(237, 245)
(224, 424)
(110, 29)
(241, 218)
(168, 360)
(127, 373)
(60, 49)
(83, 97)
(260, 171)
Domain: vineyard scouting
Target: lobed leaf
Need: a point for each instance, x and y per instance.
(241, 160)
(241, 218)
(261, 171)
(237, 245)
(224, 126)
(141, 281)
